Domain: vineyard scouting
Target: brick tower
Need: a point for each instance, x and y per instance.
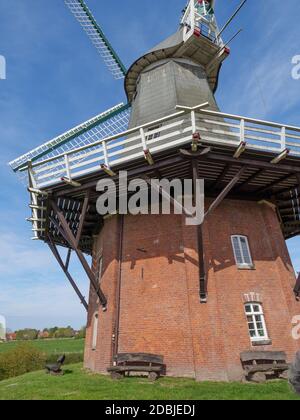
(150, 263)
(198, 295)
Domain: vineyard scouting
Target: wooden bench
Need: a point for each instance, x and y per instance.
(152, 364)
(258, 365)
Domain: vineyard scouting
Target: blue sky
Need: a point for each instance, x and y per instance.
(55, 80)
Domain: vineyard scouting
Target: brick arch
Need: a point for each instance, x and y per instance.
(252, 297)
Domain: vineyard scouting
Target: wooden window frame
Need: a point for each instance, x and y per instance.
(254, 314)
(243, 264)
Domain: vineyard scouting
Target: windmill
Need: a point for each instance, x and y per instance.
(197, 295)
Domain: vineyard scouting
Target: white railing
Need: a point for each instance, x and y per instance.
(207, 24)
(166, 133)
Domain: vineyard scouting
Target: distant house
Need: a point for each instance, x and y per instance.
(43, 335)
(11, 337)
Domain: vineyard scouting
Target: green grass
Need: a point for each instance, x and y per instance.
(78, 384)
(48, 346)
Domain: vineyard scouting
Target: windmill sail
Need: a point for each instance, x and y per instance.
(108, 123)
(96, 35)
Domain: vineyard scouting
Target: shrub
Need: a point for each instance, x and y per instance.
(23, 359)
(26, 358)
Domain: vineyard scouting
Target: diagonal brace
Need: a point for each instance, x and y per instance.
(65, 230)
(65, 269)
(202, 270)
(226, 191)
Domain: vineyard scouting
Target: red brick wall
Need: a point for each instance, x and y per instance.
(160, 307)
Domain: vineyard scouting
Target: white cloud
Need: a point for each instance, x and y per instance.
(33, 289)
(18, 256)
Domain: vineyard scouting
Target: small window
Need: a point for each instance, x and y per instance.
(153, 133)
(242, 251)
(256, 322)
(99, 269)
(95, 332)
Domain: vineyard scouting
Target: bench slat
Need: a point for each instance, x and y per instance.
(139, 357)
(135, 369)
(250, 356)
(267, 368)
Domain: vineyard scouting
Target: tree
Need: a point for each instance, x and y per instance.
(27, 334)
(52, 332)
(81, 334)
(64, 332)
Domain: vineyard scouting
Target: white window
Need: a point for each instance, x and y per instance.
(256, 322)
(242, 251)
(153, 133)
(100, 268)
(95, 332)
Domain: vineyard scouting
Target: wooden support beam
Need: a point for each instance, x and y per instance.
(68, 259)
(226, 191)
(36, 207)
(165, 194)
(65, 230)
(250, 179)
(254, 163)
(202, 270)
(37, 192)
(132, 173)
(65, 269)
(69, 181)
(108, 171)
(208, 156)
(149, 157)
(240, 150)
(187, 154)
(220, 179)
(82, 217)
(283, 155)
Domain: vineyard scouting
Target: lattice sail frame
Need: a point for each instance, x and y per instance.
(96, 35)
(106, 124)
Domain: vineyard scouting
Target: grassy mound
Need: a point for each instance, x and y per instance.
(77, 384)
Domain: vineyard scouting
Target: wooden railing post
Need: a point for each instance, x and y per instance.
(105, 154)
(193, 119)
(68, 171)
(283, 138)
(242, 130)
